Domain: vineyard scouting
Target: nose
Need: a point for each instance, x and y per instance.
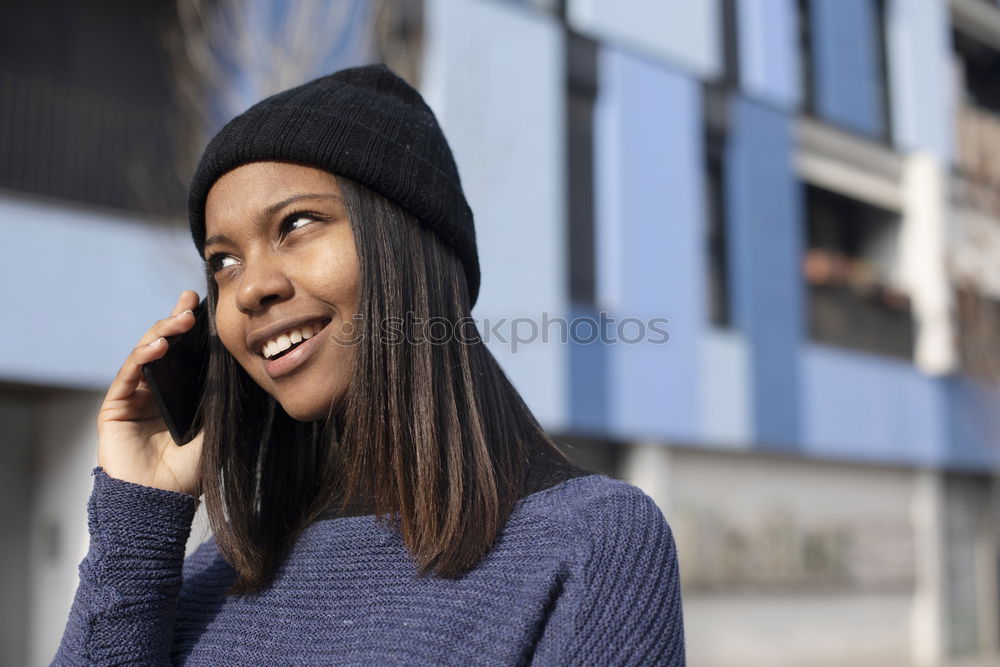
(262, 282)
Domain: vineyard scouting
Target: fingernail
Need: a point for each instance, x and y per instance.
(156, 342)
(186, 311)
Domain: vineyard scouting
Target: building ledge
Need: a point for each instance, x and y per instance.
(977, 19)
(840, 161)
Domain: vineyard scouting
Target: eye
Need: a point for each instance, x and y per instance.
(290, 221)
(214, 263)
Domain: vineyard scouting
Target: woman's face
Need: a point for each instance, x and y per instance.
(280, 249)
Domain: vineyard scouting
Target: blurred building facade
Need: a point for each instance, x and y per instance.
(806, 189)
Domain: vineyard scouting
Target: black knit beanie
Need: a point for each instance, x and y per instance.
(364, 123)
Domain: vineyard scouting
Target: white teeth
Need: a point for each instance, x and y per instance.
(286, 340)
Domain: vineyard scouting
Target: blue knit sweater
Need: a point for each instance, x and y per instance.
(585, 572)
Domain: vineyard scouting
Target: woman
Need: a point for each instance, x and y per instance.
(378, 492)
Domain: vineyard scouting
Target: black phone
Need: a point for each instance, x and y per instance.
(177, 379)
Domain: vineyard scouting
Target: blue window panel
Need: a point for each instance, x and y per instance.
(768, 51)
(845, 57)
(865, 407)
(919, 49)
(763, 208)
(650, 232)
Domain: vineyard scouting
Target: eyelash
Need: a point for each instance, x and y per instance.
(212, 261)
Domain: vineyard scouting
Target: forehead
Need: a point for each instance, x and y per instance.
(252, 188)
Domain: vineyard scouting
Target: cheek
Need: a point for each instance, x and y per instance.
(230, 338)
(337, 274)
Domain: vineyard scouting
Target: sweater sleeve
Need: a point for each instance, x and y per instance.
(622, 604)
(125, 603)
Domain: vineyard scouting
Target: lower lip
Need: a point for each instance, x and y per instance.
(290, 362)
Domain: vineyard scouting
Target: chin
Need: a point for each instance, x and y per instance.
(307, 412)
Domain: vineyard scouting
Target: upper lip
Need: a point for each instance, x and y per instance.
(257, 337)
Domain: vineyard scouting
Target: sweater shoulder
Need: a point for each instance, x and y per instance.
(581, 492)
(621, 602)
(597, 507)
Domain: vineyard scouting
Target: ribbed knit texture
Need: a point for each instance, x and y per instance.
(584, 573)
(365, 123)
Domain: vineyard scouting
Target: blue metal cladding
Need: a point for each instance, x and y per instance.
(650, 233)
(588, 374)
(845, 64)
(763, 208)
(919, 46)
(866, 407)
(685, 33)
(971, 424)
(768, 51)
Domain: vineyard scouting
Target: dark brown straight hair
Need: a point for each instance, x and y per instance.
(432, 437)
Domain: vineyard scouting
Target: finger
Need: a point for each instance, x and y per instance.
(188, 300)
(151, 346)
(129, 375)
(177, 323)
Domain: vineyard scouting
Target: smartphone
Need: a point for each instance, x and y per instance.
(177, 379)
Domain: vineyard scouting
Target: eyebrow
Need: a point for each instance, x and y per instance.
(270, 212)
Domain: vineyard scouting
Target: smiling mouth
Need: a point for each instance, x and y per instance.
(320, 325)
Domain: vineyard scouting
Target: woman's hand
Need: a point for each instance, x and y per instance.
(133, 443)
